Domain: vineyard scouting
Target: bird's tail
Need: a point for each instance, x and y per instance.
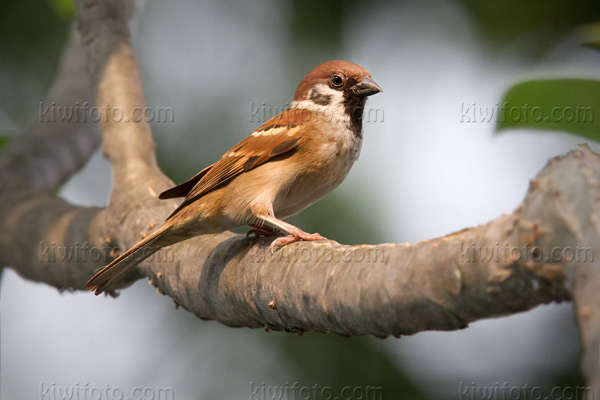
(120, 266)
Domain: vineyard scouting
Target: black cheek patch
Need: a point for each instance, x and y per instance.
(320, 98)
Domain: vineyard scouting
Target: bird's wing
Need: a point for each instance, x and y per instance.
(184, 188)
(277, 136)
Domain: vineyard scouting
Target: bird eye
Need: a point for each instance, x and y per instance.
(337, 80)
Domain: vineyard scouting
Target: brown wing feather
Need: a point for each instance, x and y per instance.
(184, 188)
(273, 138)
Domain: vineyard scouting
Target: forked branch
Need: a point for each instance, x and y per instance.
(543, 252)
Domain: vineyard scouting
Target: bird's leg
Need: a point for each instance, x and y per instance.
(295, 234)
(263, 230)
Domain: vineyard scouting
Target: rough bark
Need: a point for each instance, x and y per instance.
(509, 265)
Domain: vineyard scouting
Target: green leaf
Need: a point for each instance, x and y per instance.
(570, 105)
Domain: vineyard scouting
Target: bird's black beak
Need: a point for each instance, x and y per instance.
(366, 87)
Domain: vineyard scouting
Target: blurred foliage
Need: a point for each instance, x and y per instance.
(571, 385)
(317, 31)
(594, 44)
(64, 9)
(338, 362)
(348, 219)
(570, 105)
(4, 141)
(572, 378)
(32, 34)
(319, 23)
(544, 22)
(591, 35)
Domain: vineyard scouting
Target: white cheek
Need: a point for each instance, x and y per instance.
(334, 111)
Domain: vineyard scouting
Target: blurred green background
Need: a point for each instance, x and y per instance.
(423, 173)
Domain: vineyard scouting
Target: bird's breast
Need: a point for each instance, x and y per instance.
(327, 162)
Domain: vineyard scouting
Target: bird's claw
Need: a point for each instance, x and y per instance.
(301, 236)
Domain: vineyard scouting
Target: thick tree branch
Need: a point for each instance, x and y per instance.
(58, 142)
(389, 289)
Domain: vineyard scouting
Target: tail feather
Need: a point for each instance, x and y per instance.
(121, 265)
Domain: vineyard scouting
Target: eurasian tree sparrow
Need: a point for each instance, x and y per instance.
(285, 165)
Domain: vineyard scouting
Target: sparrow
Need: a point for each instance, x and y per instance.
(285, 165)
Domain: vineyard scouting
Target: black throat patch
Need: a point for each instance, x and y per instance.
(355, 106)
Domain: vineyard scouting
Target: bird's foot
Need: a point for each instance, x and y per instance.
(295, 236)
(262, 230)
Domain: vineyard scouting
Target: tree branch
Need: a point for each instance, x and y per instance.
(388, 289)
